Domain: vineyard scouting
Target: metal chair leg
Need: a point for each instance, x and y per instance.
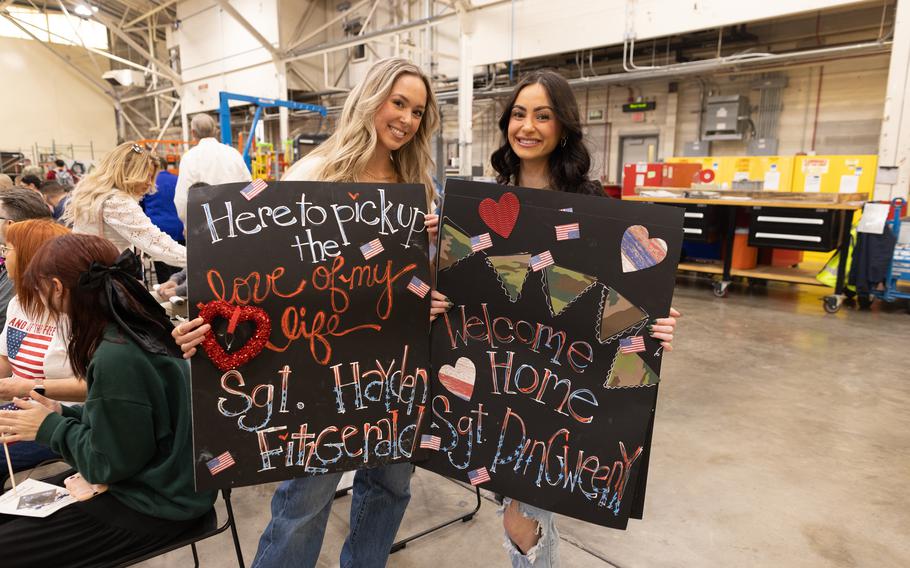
(230, 513)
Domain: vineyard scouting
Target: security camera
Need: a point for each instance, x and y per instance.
(124, 78)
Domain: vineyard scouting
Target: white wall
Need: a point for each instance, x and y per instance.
(44, 100)
(217, 53)
(541, 28)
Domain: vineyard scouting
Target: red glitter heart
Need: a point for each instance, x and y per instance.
(222, 359)
(500, 216)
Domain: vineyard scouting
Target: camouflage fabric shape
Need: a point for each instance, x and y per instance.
(512, 270)
(629, 370)
(617, 314)
(454, 245)
(564, 285)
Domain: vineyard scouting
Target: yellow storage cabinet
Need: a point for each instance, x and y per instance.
(835, 174)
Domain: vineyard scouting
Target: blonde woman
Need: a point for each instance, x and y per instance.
(106, 203)
(383, 136)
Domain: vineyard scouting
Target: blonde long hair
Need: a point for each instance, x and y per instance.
(128, 167)
(348, 150)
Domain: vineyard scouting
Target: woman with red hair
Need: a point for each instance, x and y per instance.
(32, 343)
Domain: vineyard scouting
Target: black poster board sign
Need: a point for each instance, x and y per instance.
(545, 377)
(319, 298)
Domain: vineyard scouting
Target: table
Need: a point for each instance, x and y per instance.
(841, 213)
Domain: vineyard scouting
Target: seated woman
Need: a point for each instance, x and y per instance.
(32, 344)
(132, 434)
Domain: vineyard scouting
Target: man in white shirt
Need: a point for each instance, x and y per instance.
(209, 161)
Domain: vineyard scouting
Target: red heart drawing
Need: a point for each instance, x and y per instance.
(353, 196)
(500, 216)
(222, 359)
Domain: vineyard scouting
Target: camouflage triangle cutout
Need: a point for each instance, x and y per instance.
(630, 370)
(563, 286)
(454, 245)
(512, 271)
(617, 314)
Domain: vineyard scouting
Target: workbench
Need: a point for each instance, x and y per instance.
(779, 223)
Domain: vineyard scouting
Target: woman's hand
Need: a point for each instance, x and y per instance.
(166, 290)
(22, 425)
(439, 304)
(12, 387)
(663, 328)
(431, 222)
(189, 334)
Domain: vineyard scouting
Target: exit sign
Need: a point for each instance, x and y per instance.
(643, 106)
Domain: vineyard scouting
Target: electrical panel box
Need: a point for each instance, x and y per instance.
(725, 118)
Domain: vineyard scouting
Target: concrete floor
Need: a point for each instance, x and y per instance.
(782, 439)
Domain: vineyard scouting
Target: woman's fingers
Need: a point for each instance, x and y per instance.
(667, 337)
(674, 312)
(188, 354)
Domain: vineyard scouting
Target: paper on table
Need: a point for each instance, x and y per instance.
(9, 501)
(772, 181)
(849, 184)
(873, 219)
(813, 184)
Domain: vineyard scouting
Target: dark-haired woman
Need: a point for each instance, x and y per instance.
(543, 149)
(132, 434)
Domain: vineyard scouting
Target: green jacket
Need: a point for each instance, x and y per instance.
(134, 431)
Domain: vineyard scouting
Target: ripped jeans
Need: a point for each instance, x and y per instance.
(545, 554)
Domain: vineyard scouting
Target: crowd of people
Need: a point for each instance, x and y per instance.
(73, 286)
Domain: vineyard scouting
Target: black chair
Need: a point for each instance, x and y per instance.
(208, 528)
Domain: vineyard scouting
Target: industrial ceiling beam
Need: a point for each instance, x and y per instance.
(151, 12)
(101, 87)
(96, 51)
(115, 29)
(245, 24)
(328, 24)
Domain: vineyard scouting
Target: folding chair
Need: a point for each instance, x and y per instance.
(208, 528)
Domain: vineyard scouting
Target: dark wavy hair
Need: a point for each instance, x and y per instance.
(569, 163)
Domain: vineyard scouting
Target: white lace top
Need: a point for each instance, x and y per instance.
(125, 224)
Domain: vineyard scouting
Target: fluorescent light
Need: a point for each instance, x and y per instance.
(84, 11)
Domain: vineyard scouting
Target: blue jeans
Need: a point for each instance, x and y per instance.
(545, 554)
(25, 455)
(300, 512)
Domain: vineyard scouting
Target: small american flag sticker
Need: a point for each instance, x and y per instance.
(429, 442)
(481, 242)
(632, 344)
(371, 249)
(254, 189)
(567, 232)
(218, 464)
(541, 261)
(418, 286)
(478, 476)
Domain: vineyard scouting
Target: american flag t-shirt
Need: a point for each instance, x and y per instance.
(26, 352)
